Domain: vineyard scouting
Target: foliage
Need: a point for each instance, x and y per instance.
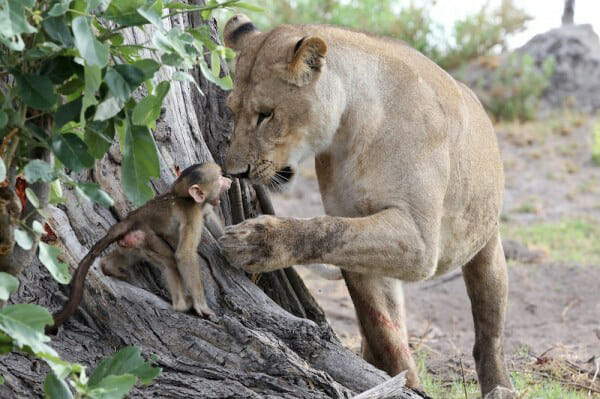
(596, 145)
(472, 36)
(22, 329)
(567, 240)
(528, 385)
(516, 87)
(479, 34)
(70, 86)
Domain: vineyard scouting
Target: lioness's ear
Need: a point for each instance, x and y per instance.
(307, 61)
(237, 30)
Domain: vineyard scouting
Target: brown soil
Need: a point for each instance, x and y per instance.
(552, 306)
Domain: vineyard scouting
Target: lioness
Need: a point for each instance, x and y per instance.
(409, 172)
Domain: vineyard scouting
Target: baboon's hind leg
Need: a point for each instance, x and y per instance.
(487, 285)
(160, 253)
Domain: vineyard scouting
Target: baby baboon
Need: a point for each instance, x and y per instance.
(165, 231)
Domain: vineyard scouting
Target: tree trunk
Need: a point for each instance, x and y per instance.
(568, 12)
(277, 345)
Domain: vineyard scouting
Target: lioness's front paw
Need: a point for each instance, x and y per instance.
(253, 245)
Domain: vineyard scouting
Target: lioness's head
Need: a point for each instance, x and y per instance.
(277, 110)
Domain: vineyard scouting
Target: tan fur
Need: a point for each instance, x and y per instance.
(165, 231)
(408, 167)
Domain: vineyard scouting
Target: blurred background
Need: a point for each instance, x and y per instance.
(535, 65)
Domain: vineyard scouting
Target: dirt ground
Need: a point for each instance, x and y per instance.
(553, 306)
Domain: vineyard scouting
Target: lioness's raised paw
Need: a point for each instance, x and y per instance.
(254, 246)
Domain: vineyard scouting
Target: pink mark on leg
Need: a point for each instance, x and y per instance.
(380, 319)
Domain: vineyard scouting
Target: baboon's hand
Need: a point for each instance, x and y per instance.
(257, 245)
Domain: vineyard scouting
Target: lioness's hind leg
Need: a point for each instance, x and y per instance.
(487, 284)
(379, 303)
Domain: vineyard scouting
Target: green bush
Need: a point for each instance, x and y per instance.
(473, 36)
(479, 34)
(70, 86)
(516, 87)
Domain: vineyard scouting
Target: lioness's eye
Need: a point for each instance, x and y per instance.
(262, 116)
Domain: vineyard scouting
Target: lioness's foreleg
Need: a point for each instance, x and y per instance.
(487, 284)
(379, 304)
(390, 243)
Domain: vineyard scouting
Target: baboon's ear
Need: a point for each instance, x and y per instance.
(307, 61)
(197, 193)
(237, 30)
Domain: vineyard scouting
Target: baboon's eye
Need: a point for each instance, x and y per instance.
(262, 116)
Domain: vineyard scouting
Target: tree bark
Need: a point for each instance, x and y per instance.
(271, 340)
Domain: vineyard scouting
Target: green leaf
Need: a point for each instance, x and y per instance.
(61, 68)
(248, 6)
(117, 85)
(68, 112)
(224, 83)
(147, 111)
(13, 22)
(49, 257)
(6, 343)
(113, 387)
(3, 119)
(73, 88)
(2, 170)
(71, 151)
(99, 137)
(215, 63)
(140, 163)
(91, 50)
(124, 12)
(33, 316)
(23, 239)
(131, 74)
(32, 197)
(37, 227)
(59, 8)
(37, 170)
(93, 80)
(180, 6)
(148, 67)
(1, 379)
(93, 192)
(60, 367)
(108, 108)
(55, 388)
(126, 361)
(8, 285)
(24, 323)
(122, 80)
(36, 91)
(56, 193)
(152, 12)
(58, 30)
(187, 77)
